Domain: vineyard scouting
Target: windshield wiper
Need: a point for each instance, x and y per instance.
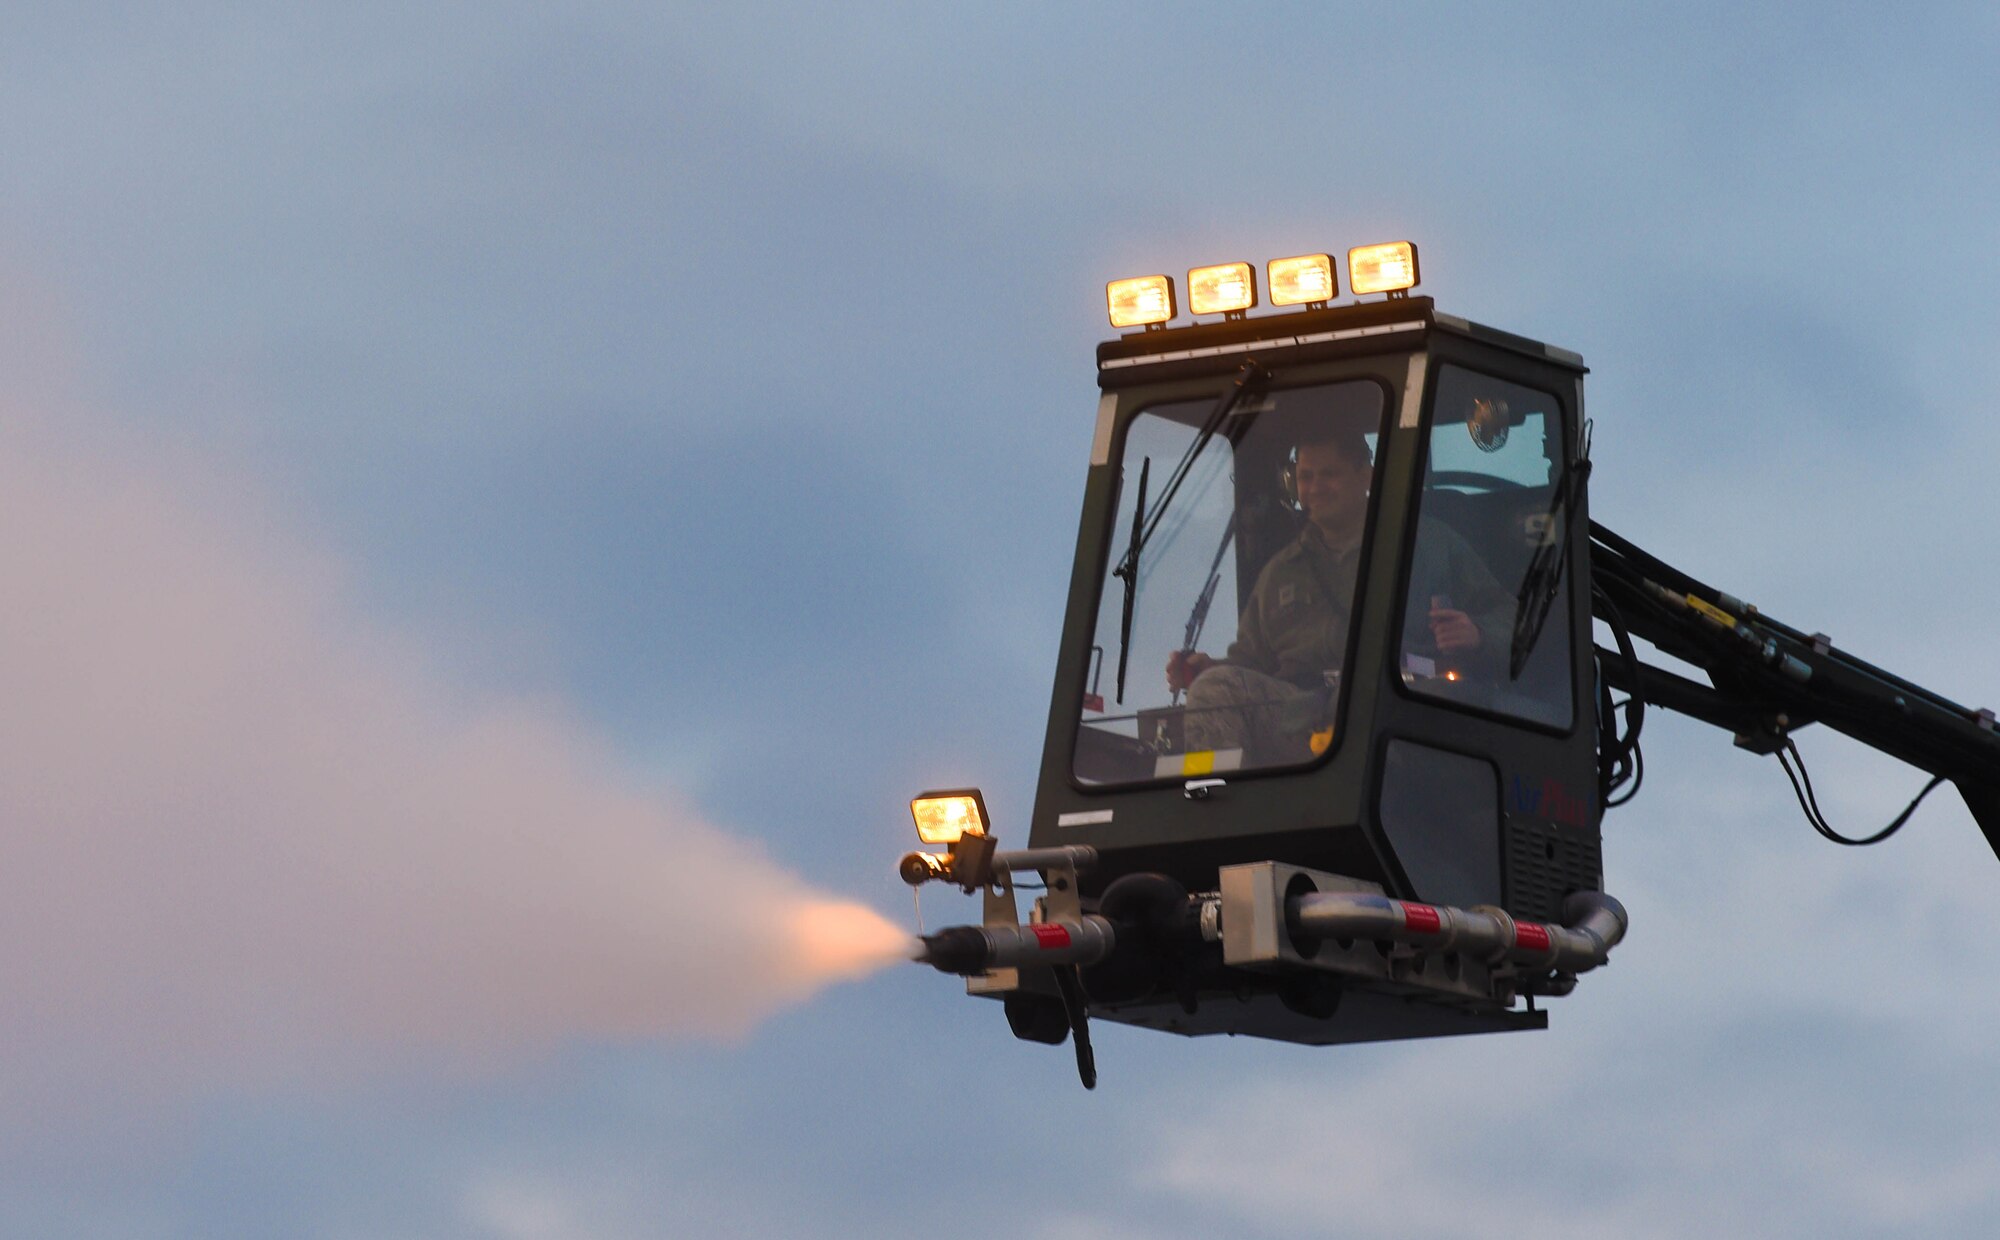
(1248, 376)
(1198, 616)
(1539, 584)
(1129, 570)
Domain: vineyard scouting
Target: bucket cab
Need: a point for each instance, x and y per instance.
(1323, 755)
(1325, 621)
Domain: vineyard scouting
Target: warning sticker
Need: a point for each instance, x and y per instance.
(1422, 918)
(1050, 937)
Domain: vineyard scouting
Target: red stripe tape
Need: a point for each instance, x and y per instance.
(1528, 934)
(1422, 918)
(1050, 937)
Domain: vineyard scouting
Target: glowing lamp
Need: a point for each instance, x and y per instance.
(1227, 288)
(1390, 268)
(944, 817)
(1141, 301)
(1302, 280)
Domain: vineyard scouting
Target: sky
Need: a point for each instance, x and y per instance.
(501, 506)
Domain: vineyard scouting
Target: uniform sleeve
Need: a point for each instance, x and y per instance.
(1446, 564)
(1480, 596)
(1476, 592)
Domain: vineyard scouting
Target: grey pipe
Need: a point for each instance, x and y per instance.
(1023, 860)
(1595, 924)
(976, 949)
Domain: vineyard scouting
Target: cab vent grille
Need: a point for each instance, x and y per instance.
(1544, 864)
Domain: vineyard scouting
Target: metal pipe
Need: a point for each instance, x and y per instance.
(1596, 923)
(1021, 860)
(1597, 915)
(977, 949)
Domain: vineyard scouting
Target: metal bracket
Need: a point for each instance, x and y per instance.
(997, 909)
(1061, 902)
(971, 861)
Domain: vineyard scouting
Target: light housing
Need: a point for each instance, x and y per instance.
(945, 817)
(1387, 268)
(1226, 288)
(1301, 280)
(1141, 301)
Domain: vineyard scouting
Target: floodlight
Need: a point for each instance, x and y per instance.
(1390, 268)
(943, 817)
(1227, 288)
(1141, 301)
(1302, 280)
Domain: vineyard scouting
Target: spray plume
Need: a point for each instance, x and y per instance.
(245, 835)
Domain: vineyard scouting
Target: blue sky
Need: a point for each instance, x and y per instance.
(716, 389)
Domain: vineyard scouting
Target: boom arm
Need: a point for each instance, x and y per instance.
(1768, 679)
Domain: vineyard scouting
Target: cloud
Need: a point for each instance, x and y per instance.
(250, 836)
(1769, 1124)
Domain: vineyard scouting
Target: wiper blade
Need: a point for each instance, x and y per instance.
(1248, 376)
(1539, 584)
(1129, 570)
(1198, 616)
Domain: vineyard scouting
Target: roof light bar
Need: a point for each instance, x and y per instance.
(1143, 301)
(1230, 289)
(1227, 288)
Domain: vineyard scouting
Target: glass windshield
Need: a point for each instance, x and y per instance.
(1239, 578)
(1488, 503)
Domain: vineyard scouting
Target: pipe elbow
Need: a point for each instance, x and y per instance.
(1599, 916)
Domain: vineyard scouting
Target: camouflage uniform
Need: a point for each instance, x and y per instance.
(1279, 681)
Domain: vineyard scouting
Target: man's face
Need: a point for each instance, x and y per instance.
(1333, 487)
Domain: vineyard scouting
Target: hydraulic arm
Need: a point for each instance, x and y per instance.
(1768, 679)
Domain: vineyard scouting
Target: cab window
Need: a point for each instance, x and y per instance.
(1227, 596)
(1488, 504)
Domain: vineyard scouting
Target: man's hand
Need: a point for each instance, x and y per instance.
(1453, 631)
(1184, 665)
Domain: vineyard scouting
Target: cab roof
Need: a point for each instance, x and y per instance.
(1177, 352)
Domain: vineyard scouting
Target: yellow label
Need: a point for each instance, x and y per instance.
(1200, 762)
(1712, 612)
(1320, 741)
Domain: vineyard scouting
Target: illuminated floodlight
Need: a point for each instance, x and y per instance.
(1302, 280)
(1389, 268)
(943, 817)
(1227, 288)
(1141, 301)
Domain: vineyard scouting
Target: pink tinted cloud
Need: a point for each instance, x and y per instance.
(246, 834)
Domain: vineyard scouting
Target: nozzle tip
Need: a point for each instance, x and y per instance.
(956, 949)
